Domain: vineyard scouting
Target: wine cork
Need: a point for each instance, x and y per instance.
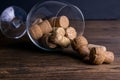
(37, 21)
(52, 21)
(71, 33)
(60, 31)
(97, 55)
(90, 46)
(45, 27)
(62, 21)
(109, 57)
(64, 42)
(55, 38)
(45, 42)
(36, 32)
(78, 42)
(83, 51)
(58, 38)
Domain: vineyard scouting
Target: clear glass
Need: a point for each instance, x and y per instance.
(13, 21)
(50, 9)
(75, 17)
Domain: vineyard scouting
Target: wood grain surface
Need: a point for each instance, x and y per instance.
(21, 60)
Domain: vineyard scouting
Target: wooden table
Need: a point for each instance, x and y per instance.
(21, 60)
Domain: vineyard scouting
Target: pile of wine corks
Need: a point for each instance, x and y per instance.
(95, 54)
(57, 32)
(54, 32)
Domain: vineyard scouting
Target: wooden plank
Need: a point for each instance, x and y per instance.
(21, 60)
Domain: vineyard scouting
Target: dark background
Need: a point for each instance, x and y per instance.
(92, 9)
